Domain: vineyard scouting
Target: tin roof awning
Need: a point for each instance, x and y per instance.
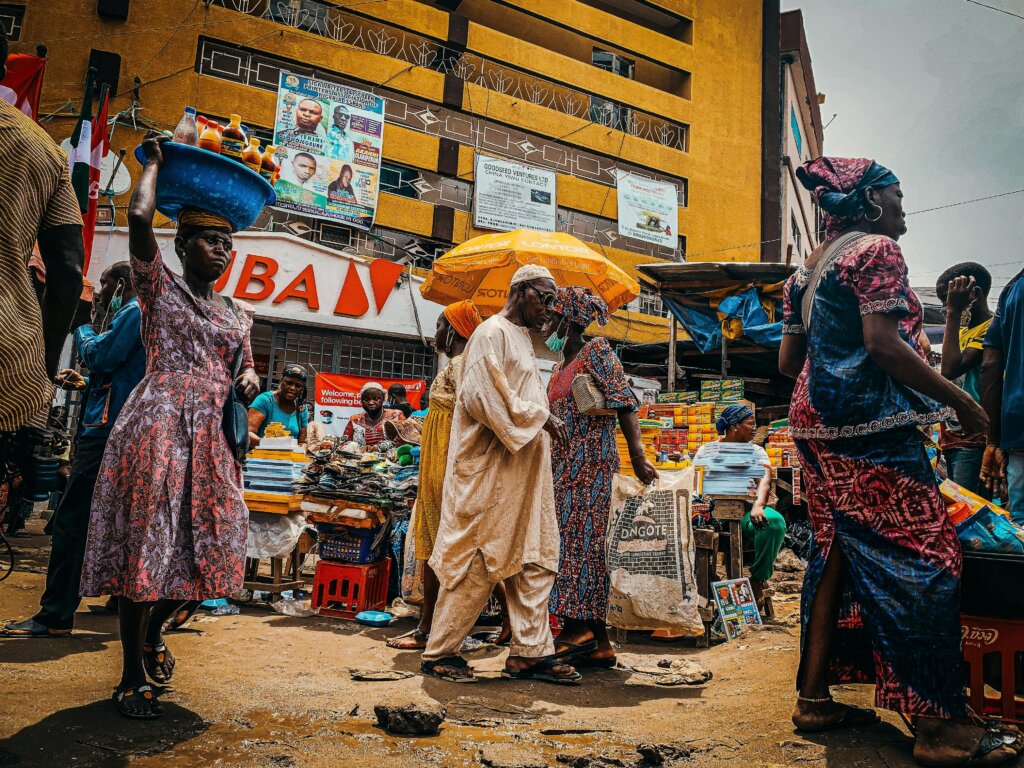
(706, 275)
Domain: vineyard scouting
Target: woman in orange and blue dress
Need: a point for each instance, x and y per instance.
(583, 468)
(881, 597)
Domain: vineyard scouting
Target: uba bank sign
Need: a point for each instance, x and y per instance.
(288, 279)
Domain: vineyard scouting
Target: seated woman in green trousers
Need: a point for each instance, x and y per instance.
(761, 523)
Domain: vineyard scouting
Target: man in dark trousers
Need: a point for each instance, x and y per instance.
(116, 361)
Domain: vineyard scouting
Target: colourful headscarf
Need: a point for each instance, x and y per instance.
(580, 306)
(463, 316)
(733, 414)
(837, 183)
(198, 219)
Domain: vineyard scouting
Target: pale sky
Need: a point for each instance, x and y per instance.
(934, 90)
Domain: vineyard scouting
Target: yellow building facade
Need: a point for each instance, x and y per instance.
(668, 89)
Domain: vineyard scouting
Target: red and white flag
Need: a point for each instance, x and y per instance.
(24, 82)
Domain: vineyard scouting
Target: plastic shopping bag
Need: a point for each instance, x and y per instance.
(412, 572)
(650, 553)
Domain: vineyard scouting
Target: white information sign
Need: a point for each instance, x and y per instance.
(512, 196)
(648, 210)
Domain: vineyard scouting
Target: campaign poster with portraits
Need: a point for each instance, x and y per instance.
(329, 139)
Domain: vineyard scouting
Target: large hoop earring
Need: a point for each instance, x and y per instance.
(868, 218)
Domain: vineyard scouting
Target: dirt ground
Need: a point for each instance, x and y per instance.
(261, 689)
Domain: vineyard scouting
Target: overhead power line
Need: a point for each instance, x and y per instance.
(993, 8)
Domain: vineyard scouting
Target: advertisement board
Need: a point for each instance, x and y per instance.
(648, 210)
(510, 196)
(337, 397)
(329, 140)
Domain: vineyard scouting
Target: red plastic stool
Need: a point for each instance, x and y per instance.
(994, 651)
(344, 589)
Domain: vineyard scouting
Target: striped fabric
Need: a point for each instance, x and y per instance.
(35, 194)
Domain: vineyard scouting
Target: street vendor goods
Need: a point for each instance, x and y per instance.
(651, 555)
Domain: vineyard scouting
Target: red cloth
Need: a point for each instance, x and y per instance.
(24, 82)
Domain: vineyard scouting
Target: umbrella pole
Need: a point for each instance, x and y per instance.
(672, 354)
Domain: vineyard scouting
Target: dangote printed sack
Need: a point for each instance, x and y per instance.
(650, 555)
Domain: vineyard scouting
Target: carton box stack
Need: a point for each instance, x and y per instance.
(270, 471)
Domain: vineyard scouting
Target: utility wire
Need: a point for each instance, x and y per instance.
(993, 8)
(965, 202)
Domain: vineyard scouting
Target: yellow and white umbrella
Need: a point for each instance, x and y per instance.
(481, 269)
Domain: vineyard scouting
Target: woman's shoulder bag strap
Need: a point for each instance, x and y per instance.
(830, 253)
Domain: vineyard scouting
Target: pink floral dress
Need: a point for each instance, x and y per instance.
(168, 517)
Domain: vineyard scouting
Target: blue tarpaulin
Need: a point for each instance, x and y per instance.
(742, 314)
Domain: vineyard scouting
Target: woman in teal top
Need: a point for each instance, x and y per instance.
(286, 406)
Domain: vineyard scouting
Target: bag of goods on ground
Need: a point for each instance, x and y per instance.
(650, 553)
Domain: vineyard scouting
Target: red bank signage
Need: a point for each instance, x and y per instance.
(286, 278)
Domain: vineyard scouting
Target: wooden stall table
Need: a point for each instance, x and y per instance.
(729, 510)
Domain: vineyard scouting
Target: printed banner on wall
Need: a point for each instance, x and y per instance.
(510, 196)
(329, 140)
(648, 210)
(337, 397)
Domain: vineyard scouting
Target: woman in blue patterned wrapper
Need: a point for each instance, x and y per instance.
(583, 468)
(881, 597)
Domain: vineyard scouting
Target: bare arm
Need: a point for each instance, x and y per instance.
(141, 239)
(993, 469)
(792, 354)
(63, 255)
(958, 298)
(902, 363)
(631, 430)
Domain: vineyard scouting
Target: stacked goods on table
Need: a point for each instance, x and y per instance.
(650, 435)
(271, 471)
(729, 469)
(780, 446)
(981, 525)
(721, 390)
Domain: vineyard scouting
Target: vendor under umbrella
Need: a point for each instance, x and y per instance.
(368, 427)
(761, 523)
(286, 406)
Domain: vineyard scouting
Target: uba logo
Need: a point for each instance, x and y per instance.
(258, 282)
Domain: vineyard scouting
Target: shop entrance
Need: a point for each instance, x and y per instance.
(321, 351)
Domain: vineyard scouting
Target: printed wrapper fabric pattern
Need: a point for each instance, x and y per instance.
(168, 516)
(584, 468)
(871, 491)
(842, 392)
(437, 432)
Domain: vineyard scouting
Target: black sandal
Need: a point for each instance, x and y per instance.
(431, 667)
(158, 662)
(143, 695)
(542, 671)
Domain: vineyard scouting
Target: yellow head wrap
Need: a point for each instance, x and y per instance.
(193, 217)
(464, 317)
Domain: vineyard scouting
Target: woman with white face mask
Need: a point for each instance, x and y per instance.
(583, 468)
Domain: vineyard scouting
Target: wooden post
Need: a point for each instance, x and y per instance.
(672, 353)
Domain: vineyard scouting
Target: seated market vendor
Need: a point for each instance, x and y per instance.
(761, 523)
(285, 406)
(367, 428)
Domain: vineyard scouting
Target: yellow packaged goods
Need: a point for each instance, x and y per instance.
(953, 494)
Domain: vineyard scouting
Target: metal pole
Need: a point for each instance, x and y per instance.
(725, 357)
(672, 353)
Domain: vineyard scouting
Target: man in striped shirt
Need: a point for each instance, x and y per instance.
(37, 204)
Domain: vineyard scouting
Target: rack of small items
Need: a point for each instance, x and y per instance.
(350, 495)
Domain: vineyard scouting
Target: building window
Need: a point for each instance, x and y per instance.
(797, 235)
(613, 62)
(609, 113)
(12, 17)
(649, 303)
(794, 126)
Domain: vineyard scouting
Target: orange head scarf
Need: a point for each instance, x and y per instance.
(464, 317)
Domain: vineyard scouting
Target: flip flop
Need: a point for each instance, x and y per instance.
(851, 717)
(573, 650)
(141, 694)
(430, 668)
(994, 739)
(598, 663)
(541, 671)
(390, 643)
(30, 628)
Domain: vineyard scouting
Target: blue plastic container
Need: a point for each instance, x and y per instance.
(374, 618)
(197, 178)
(348, 545)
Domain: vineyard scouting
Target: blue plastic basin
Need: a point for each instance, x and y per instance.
(374, 618)
(197, 178)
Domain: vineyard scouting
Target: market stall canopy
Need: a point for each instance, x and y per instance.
(481, 269)
(716, 300)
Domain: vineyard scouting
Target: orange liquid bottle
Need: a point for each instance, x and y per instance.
(252, 156)
(210, 137)
(233, 139)
(267, 165)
